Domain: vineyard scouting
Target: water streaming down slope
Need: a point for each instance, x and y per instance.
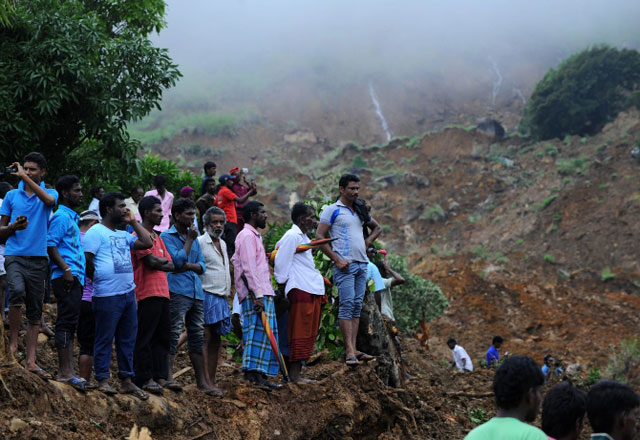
(376, 104)
(519, 93)
(497, 84)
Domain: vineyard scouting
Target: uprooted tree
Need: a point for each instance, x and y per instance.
(585, 92)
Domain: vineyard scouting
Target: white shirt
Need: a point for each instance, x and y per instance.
(216, 279)
(459, 354)
(95, 207)
(297, 270)
(386, 304)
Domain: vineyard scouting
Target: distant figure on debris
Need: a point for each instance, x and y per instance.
(216, 283)
(151, 355)
(493, 355)
(612, 409)
(240, 188)
(209, 173)
(226, 200)
(208, 199)
(86, 321)
(67, 262)
(349, 255)
(302, 283)
(187, 298)
(551, 365)
(517, 388)
(563, 412)
(251, 273)
(24, 217)
(461, 359)
(137, 193)
(166, 200)
(108, 254)
(96, 192)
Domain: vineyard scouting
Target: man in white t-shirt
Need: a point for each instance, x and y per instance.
(461, 359)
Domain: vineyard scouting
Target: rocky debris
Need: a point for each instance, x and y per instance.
(491, 128)
(301, 137)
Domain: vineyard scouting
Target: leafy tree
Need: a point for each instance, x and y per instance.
(583, 94)
(73, 73)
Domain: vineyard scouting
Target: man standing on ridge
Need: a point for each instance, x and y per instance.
(251, 273)
(344, 220)
(28, 208)
(67, 274)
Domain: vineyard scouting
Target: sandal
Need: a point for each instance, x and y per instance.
(42, 374)
(173, 386)
(107, 389)
(352, 361)
(77, 382)
(214, 392)
(136, 392)
(153, 387)
(364, 357)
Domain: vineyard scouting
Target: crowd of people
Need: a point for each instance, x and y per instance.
(147, 272)
(137, 273)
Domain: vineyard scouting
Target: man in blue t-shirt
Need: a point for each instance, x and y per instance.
(24, 217)
(108, 254)
(67, 274)
(344, 222)
(493, 356)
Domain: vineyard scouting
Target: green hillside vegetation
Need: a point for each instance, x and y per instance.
(587, 90)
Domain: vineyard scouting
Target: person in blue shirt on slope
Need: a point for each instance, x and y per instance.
(493, 356)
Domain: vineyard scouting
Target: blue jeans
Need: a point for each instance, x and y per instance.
(116, 316)
(186, 312)
(351, 284)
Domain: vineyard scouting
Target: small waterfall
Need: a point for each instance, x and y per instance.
(519, 93)
(497, 84)
(376, 104)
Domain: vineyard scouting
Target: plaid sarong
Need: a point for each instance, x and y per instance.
(257, 354)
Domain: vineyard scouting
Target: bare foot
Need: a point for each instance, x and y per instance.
(211, 391)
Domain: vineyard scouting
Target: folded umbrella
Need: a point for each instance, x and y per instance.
(302, 248)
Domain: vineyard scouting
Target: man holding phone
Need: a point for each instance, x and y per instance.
(24, 218)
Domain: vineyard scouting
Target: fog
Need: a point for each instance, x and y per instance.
(233, 50)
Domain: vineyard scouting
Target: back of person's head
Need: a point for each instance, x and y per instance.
(36, 158)
(87, 217)
(606, 401)
(147, 204)
(65, 183)
(497, 340)
(563, 409)
(383, 270)
(5, 187)
(135, 189)
(513, 379)
(298, 211)
(346, 178)
(181, 205)
(548, 358)
(209, 165)
(96, 190)
(452, 341)
(109, 200)
(252, 207)
(159, 181)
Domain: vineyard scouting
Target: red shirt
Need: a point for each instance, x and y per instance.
(150, 282)
(226, 201)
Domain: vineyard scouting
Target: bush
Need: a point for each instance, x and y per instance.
(583, 94)
(623, 360)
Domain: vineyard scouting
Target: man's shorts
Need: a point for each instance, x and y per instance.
(351, 284)
(26, 277)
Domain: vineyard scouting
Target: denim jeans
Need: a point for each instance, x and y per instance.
(186, 312)
(115, 316)
(351, 285)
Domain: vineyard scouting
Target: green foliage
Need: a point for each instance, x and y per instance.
(551, 150)
(416, 294)
(593, 376)
(549, 258)
(623, 360)
(606, 274)
(359, 163)
(546, 202)
(151, 165)
(571, 167)
(73, 73)
(433, 213)
(478, 416)
(584, 93)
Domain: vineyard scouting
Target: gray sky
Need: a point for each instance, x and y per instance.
(249, 43)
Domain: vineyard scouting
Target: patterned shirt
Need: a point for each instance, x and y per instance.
(216, 279)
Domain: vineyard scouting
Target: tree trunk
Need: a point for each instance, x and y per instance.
(373, 338)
